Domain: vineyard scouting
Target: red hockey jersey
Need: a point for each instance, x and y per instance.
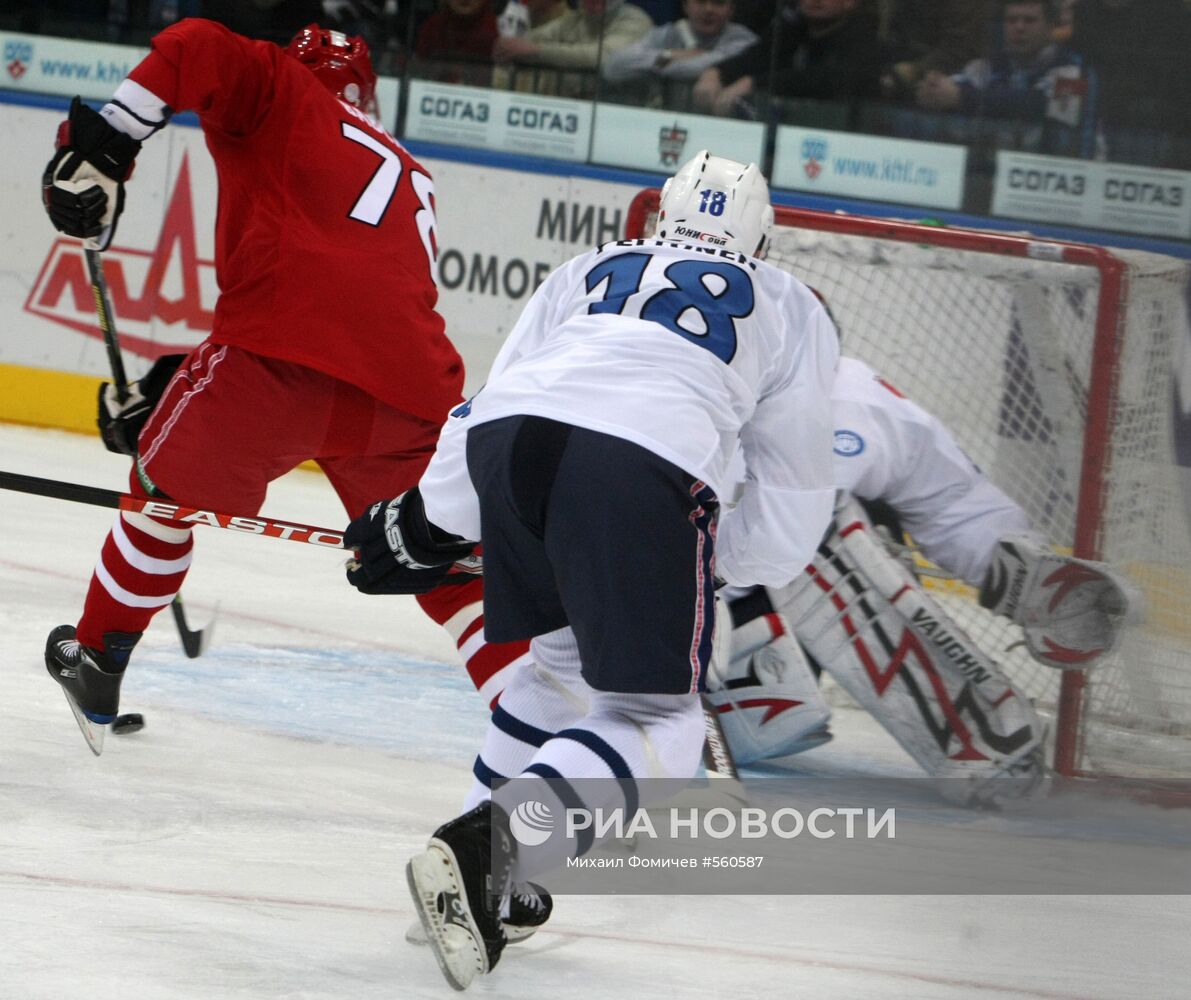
(324, 237)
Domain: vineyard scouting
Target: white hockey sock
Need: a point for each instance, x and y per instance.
(543, 696)
(625, 737)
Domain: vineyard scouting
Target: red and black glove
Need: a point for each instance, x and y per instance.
(120, 423)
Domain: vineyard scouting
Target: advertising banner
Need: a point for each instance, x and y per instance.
(1093, 194)
(662, 141)
(864, 166)
(38, 64)
(495, 119)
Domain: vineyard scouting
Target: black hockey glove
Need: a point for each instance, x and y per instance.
(398, 551)
(83, 185)
(120, 424)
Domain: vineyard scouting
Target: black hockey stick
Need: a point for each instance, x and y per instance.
(107, 325)
(193, 641)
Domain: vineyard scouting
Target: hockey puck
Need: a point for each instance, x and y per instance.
(133, 722)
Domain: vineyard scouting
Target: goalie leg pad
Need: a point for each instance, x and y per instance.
(894, 649)
(763, 690)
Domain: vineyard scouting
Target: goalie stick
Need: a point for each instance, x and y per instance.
(194, 641)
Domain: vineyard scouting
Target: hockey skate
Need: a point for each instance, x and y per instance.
(525, 909)
(90, 679)
(456, 887)
(529, 907)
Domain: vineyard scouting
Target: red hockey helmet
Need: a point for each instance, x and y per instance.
(341, 62)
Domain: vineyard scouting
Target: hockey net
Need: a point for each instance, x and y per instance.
(1052, 364)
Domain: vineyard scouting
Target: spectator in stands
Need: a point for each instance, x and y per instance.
(823, 49)
(577, 43)
(1065, 29)
(457, 39)
(1139, 50)
(683, 49)
(519, 17)
(942, 36)
(1028, 78)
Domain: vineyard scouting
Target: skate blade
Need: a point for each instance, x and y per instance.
(415, 934)
(452, 934)
(516, 933)
(92, 731)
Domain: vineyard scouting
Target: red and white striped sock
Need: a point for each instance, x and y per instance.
(460, 610)
(141, 567)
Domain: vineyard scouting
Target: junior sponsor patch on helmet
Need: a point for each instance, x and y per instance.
(686, 232)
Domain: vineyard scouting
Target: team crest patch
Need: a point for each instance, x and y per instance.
(848, 443)
(671, 140)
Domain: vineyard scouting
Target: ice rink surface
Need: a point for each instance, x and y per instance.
(250, 842)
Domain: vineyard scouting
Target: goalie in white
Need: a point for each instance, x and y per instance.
(862, 615)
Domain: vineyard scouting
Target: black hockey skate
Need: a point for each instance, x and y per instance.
(526, 908)
(90, 679)
(530, 906)
(457, 884)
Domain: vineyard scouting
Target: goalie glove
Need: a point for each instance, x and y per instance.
(121, 423)
(398, 551)
(83, 185)
(1072, 611)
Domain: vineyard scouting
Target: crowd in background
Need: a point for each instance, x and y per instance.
(1088, 78)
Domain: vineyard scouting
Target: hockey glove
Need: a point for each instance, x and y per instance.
(83, 185)
(120, 423)
(1072, 611)
(398, 551)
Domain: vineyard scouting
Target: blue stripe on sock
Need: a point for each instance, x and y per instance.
(484, 774)
(570, 800)
(616, 764)
(510, 725)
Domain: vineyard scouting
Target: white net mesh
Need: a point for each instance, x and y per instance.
(1001, 349)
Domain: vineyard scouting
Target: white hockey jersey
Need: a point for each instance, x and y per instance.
(685, 351)
(889, 448)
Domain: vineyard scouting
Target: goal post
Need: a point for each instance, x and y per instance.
(1052, 364)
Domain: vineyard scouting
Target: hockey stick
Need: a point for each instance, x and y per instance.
(107, 326)
(717, 755)
(193, 641)
(97, 497)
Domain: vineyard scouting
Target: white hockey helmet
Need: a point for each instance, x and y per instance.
(719, 202)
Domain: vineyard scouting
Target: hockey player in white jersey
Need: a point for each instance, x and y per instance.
(590, 465)
(866, 620)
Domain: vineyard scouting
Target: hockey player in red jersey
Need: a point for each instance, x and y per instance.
(326, 344)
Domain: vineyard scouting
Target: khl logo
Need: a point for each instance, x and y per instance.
(17, 57)
(531, 823)
(814, 152)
